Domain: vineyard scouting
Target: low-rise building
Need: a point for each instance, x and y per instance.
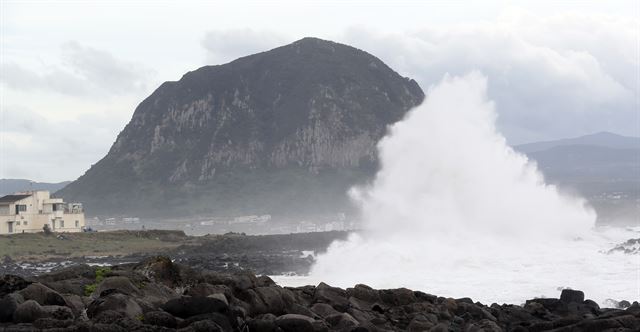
(29, 212)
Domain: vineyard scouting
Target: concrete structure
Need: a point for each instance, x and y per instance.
(29, 212)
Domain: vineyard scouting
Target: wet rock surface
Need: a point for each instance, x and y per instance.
(157, 294)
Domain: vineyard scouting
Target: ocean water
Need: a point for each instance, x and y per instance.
(583, 264)
(454, 211)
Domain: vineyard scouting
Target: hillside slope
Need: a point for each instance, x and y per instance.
(286, 131)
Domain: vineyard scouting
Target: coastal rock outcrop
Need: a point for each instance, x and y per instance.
(241, 301)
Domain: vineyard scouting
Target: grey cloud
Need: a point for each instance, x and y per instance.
(85, 72)
(543, 88)
(38, 148)
(103, 70)
(226, 45)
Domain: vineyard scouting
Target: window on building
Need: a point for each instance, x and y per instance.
(61, 223)
(77, 223)
(18, 223)
(21, 208)
(25, 223)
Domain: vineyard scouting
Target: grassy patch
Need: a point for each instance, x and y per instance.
(101, 273)
(38, 246)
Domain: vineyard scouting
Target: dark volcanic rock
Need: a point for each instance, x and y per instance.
(570, 295)
(160, 318)
(42, 294)
(11, 283)
(302, 119)
(8, 305)
(244, 302)
(28, 312)
(117, 284)
(115, 302)
(188, 306)
(295, 323)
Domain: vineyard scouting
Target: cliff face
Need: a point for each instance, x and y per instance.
(289, 128)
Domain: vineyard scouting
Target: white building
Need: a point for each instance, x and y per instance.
(29, 212)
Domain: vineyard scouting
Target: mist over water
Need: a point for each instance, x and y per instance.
(454, 211)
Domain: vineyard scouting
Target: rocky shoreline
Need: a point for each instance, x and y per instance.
(263, 254)
(157, 294)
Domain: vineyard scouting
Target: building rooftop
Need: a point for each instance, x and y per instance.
(12, 198)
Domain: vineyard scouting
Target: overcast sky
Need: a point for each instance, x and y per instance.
(72, 72)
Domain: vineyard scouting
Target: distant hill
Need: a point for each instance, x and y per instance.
(287, 131)
(603, 167)
(603, 139)
(10, 186)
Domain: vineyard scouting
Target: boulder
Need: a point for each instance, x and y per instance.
(264, 281)
(117, 284)
(42, 294)
(476, 312)
(8, 306)
(571, 296)
(553, 305)
(160, 269)
(160, 318)
(336, 297)
(422, 323)
(321, 326)
(74, 302)
(117, 302)
(101, 327)
(263, 325)
(396, 297)
(620, 323)
(367, 317)
(51, 323)
(58, 312)
(301, 310)
(364, 293)
(74, 286)
(75, 271)
(238, 281)
(156, 294)
(188, 306)
(341, 321)
(441, 327)
(203, 326)
(10, 283)
(624, 304)
(295, 323)
(484, 326)
(251, 302)
(29, 312)
(510, 314)
(107, 317)
(220, 319)
(323, 310)
(276, 299)
(424, 297)
(205, 289)
(220, 297)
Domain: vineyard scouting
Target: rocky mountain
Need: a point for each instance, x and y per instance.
(601, 139)
(286, 131)
(602, 167)
(10, 186)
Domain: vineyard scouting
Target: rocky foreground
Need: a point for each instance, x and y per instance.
(159, 295)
